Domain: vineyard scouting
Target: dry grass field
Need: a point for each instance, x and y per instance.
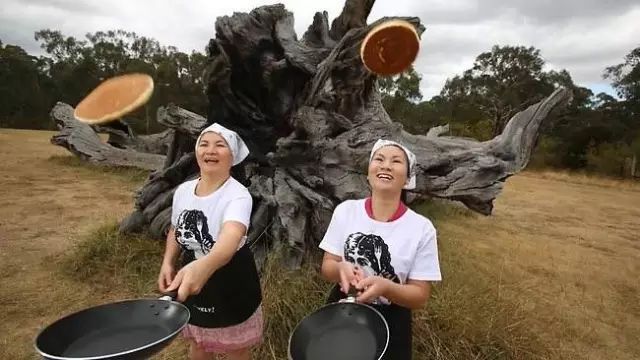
(553, 274)
(567, 249)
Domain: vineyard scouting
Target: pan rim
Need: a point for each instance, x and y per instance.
(103, 357)
(384, 321)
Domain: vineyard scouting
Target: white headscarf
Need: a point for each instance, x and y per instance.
(239, 150)
(411, 180)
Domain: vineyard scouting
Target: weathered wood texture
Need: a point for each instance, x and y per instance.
(80, 139)
(310, 112)
(122, 136)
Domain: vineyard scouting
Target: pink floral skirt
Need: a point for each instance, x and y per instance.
(227, 339)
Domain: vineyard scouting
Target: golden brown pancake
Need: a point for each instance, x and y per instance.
(390, 48)
(114, 98)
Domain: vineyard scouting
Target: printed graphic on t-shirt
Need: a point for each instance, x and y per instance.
(371, 253)
(192, 231)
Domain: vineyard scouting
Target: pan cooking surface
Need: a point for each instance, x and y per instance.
(114, 340)
(340, 332)
(352, 343)
(113, 328)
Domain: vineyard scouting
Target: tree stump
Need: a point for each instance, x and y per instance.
(310, 112)
(83, 141)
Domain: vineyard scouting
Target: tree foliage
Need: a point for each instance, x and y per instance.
(588, 134)
(626, 76)
(73, 67)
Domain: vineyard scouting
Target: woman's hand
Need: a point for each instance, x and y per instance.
(191, 279)
(166, 276)
(338, 270)
(372, 287)
(349, 275)
(167, 270)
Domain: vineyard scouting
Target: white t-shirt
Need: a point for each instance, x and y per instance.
(405, 248)
(198, 219)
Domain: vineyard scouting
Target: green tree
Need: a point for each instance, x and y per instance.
(626, 76)
(626, 82)
(21, 98)
(400, 95)
(77, 66)
(500, 83)
(405, 85)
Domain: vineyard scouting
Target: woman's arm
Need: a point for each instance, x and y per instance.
(412, 295)
(167, 270)
(225, 246)
(330, 267)
(336, 270)
(172, 250)
(191, 279)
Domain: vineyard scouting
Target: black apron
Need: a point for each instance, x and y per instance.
(399, 321)
(230, 296)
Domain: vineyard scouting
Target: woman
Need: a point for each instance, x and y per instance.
(382, 248)
(218, 281)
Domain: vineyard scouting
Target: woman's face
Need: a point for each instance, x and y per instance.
(213, 154)
(388, 169)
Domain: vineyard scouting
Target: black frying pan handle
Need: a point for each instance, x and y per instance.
(352, 294)
(170, 295)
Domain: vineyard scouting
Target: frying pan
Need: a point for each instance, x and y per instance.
(130, 329)
(344, 330)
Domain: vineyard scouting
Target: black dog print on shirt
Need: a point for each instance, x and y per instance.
(371, 253)
(192, 231)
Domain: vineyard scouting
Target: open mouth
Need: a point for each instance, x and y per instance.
(211, 161)
(385, 177)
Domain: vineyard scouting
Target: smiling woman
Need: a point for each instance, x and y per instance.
(385, 250)
(218, 281)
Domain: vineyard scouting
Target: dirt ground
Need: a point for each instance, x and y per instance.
(44, 206)
(568, 248)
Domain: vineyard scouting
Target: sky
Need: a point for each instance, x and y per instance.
(581, 36)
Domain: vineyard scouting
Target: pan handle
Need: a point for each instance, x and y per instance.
(170, 296)
(352, 293)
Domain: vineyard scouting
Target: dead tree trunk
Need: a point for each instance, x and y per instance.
(82, 140)
(122, 136)
(310, 113)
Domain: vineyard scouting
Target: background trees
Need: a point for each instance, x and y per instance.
(596, 132)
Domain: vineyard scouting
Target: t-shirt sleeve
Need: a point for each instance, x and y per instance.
(426, 264)
(333, 240)
(239, 209)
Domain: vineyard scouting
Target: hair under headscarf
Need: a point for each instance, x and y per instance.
(411, 157)
(239, 150)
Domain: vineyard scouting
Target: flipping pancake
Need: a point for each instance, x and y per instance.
(115, 98)
(390, 48)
